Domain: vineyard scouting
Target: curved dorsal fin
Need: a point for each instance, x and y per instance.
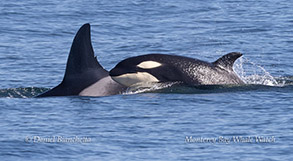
(82, 69)
(81, 57)
(227, 60)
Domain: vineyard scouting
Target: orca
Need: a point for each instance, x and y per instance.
(173, 68)
(84, 76)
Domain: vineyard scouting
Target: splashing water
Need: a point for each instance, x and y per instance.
(252, 73)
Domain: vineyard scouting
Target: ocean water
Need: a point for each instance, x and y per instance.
(251, 122)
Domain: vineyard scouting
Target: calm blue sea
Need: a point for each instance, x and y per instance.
(252, 122)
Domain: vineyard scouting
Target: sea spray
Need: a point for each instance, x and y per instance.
(252, 73)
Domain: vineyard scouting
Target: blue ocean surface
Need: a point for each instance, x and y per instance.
(250, 122)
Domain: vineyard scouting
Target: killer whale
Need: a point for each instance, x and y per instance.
(173, 68)
(84, 76)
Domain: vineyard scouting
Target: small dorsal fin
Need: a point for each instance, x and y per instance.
(81, 57)
(227, 60)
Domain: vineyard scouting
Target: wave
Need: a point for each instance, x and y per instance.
(203, 89)
(22, 92)
(285, 83)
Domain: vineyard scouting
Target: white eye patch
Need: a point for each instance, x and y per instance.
(149, 64)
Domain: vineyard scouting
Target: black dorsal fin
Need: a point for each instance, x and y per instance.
(82, 69)
(227, 60)
(81, 57)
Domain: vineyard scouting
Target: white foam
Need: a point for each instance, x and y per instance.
(252, 73)
(147, 87)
